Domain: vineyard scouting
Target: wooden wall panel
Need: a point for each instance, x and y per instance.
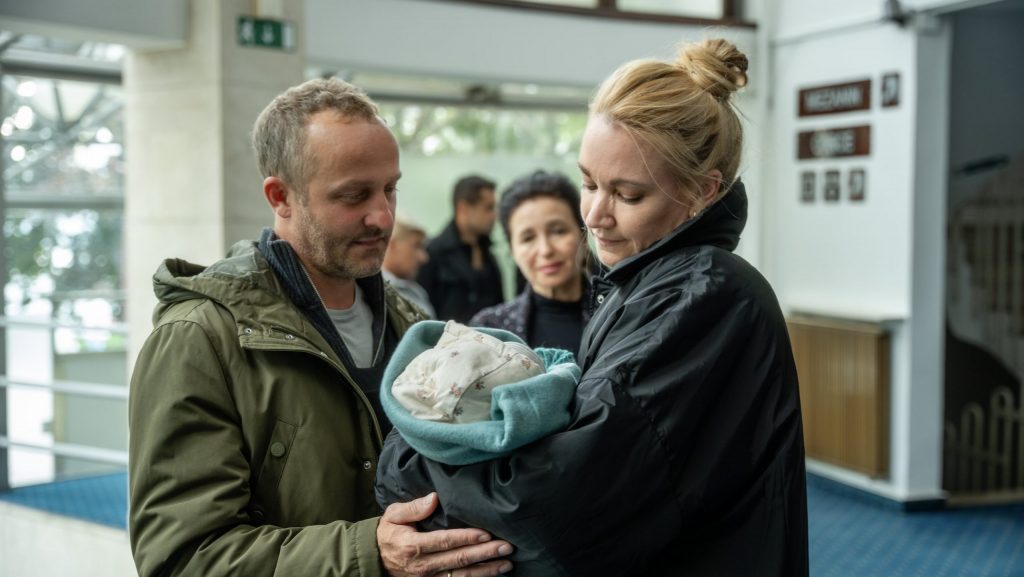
(843, 368)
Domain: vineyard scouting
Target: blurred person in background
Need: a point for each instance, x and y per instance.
(406, 253)
(462, 275)
(540, 215)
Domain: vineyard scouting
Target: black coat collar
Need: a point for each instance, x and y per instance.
(719, 225)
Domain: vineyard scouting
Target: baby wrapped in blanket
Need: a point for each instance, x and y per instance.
(460, 395)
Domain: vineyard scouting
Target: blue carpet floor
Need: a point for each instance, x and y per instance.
(855, 536)
(101, 499)
(851, 535)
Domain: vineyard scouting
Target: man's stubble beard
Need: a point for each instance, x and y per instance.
(329, 256)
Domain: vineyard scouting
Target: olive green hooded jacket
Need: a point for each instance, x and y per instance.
(252, 451)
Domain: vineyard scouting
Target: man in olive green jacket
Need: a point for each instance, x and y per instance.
(254, 418)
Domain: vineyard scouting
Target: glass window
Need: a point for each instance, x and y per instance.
(65, 266)
(707, 9)
(712, 9)
(61, 141)
(439, 144)
(63, 313)
(583, 3)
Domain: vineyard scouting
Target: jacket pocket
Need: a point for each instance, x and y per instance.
(265, 503)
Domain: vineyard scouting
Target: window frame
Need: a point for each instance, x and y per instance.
(609, 9)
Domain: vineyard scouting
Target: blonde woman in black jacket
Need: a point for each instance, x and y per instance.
(684, 455)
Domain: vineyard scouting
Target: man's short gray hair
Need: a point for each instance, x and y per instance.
(279, 136)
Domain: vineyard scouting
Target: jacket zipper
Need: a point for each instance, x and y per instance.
(383, 329)
(340, 369)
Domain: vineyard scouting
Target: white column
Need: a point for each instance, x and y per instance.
(192, 187)
(924, 410)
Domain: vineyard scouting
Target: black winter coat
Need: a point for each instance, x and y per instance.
(684, 455)
(456, 290)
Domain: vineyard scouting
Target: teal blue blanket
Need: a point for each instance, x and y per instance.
(520, 412)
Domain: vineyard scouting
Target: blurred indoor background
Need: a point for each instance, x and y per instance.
(884, 161)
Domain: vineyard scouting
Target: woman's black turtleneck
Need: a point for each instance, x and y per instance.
(555, 324)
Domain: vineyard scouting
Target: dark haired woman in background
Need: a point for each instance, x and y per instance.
(540, 215)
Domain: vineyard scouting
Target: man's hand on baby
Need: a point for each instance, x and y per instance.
(407, 552)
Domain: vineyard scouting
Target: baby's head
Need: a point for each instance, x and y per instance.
(452, 382)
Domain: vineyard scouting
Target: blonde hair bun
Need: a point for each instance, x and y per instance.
(715, 65)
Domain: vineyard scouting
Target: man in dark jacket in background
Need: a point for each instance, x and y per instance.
(462, 276)
(254, 419)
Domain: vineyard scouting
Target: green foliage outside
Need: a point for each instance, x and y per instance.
(63, 180)
(440, 144)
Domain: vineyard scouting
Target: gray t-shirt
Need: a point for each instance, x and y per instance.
(355, 325)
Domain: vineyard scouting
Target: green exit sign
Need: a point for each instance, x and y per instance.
(266, 33)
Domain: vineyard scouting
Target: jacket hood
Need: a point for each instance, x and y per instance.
(237, 282)
(719, 225)
(246, 284)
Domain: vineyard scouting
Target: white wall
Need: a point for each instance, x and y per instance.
(799, 17)
(880, 259)
(487, 42)
(192, 188)
(843, 257)
(136, 23)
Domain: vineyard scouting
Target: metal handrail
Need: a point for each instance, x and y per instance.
(77, 388)
(84, 452)
(71, 450)
(117, 328)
